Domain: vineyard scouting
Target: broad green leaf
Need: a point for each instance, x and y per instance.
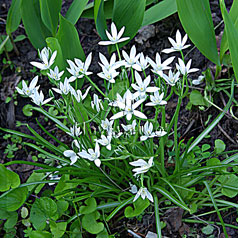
(139, 206)
(11, 220)
(58, 228)
(75, 10)
(233, 14)
(89, 10)
(13, 200)
(196, 19)
(43, 208)
(27, 110)
(40, 234)
(62, 206)
(68, 38)
(63, 186)
(197, 99)
(35, 29)
(99, 18)
(232, 36)
(91, 206)
(229, 185)
(54, 45)
(220, 146)
(13, 16)
(20, 38)
(50, 10)
(103, 234)
(90, 224)
(159, 11)
(207, 230)
(128, 13)
(8, 179)
(35, 177)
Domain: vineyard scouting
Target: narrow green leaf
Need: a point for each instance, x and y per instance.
(99, 18)
(157, 219)
(50, 10)
(232, 36)
(13, 16)
(216, 208)
(44, 142)
(75, 10)
(123, 204)
(128, 13)
(36, 31)
(159, 11)
(171, 197)
(233, 14)
(4, 40)
(196, 19)
(69, 40)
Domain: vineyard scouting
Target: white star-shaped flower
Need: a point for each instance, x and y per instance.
(38, 98)
(109, 75)
(129, 108)
(92, 155)
(130, 60)
(177, 45)
(114, 37)
(113, 64)
(143, 193)
(143, 166)
(105, 141)
(55, 74)
(172, 78)
(185, 69)
(28, 91)
(79, 69)
(72, 156)
(47, 61)
(142, 86)
(64, 88)
(157, 99)
(158, 66)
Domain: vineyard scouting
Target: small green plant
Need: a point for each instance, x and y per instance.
(117, 156)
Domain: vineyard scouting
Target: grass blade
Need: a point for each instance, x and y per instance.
(157, 219)
(216, 208)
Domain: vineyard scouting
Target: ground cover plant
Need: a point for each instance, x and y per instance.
(115, 159)
(123, 157)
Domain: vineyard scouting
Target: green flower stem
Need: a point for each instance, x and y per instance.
(95, 86)
(176, 134)
(123, 68)
(144, 73)
(156, 114)
(118, 51)
(142, 180)
(162, 144)
(181, 52)
(170, 94)
(132, 75)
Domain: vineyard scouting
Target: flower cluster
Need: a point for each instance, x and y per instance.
(141, 91)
